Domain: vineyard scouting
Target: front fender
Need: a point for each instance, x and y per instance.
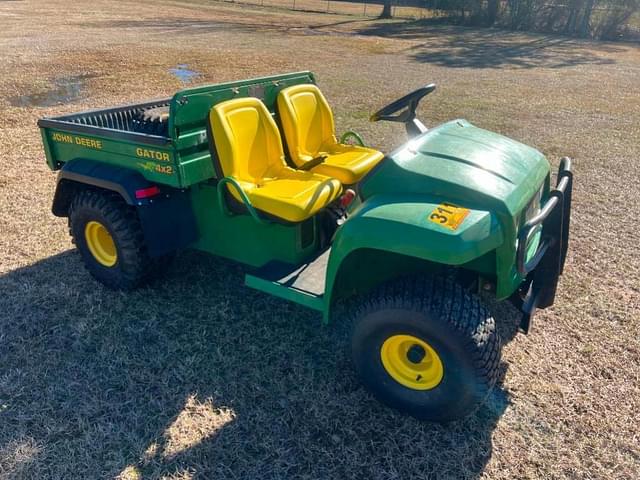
(401, 225)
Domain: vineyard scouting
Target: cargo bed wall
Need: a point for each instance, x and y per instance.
(64, 143)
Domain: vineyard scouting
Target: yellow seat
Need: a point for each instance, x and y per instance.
(249, 150)
(309, 129)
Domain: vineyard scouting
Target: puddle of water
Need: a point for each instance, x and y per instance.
(63, 90)
(184, 74)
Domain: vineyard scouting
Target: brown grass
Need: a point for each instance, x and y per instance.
(365, 9)
(197, 376)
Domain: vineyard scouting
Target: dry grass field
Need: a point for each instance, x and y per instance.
(199, 377)
(365, 9)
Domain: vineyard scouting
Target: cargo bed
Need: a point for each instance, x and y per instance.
(165, 140)
(125, 122)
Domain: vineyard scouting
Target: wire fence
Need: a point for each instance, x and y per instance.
(400, 8)
(423, 9)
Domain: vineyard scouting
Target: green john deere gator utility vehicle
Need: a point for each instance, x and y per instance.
(252, 171)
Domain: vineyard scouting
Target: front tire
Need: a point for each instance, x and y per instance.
(109, 237)
(426, 347)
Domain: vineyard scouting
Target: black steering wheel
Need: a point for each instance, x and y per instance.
(410, 101)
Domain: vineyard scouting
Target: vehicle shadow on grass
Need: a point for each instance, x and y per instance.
(464, 47)
(197, 374)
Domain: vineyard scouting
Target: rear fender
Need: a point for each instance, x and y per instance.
(400, 228)
(167, 219)
(81, 172)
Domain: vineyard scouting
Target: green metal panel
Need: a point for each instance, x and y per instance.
(195, 167)
(464, 164)
(400, 224)
(239, 237)
(51, 162)
(156, 164)
(303, 298)
(190, 107)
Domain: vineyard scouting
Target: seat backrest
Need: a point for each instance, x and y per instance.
(247, 140)
(307, 121)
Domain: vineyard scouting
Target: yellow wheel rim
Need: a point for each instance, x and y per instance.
(101, 244)
(411, 362)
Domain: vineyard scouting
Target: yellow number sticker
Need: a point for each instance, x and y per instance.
(448, 215)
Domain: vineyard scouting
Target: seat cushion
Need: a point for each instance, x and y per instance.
(246, 139)
(307, 121)
(294, 195)
(348, 163)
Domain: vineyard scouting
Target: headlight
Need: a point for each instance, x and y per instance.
(532, 210)
(534, 206)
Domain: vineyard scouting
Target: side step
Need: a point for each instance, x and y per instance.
(303, 284)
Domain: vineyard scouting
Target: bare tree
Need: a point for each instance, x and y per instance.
(386, 10)
(607, 19)
(492, 11)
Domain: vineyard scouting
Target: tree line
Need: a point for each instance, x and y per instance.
(605, 19)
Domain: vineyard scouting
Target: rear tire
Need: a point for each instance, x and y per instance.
(426, 347)
(109, 237)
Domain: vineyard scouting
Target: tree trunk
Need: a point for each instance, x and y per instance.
(386, 9)
(574, 8)
(492, 12)
(586, 19)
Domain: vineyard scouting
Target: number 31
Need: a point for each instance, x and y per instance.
(438, 218)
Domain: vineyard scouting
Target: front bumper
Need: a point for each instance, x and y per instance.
(542, 271)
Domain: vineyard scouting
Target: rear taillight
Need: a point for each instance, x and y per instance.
(147, 192)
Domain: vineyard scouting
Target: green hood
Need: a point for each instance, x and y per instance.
(463, 164)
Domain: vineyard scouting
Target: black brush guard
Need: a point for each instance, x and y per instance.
(543, 270)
